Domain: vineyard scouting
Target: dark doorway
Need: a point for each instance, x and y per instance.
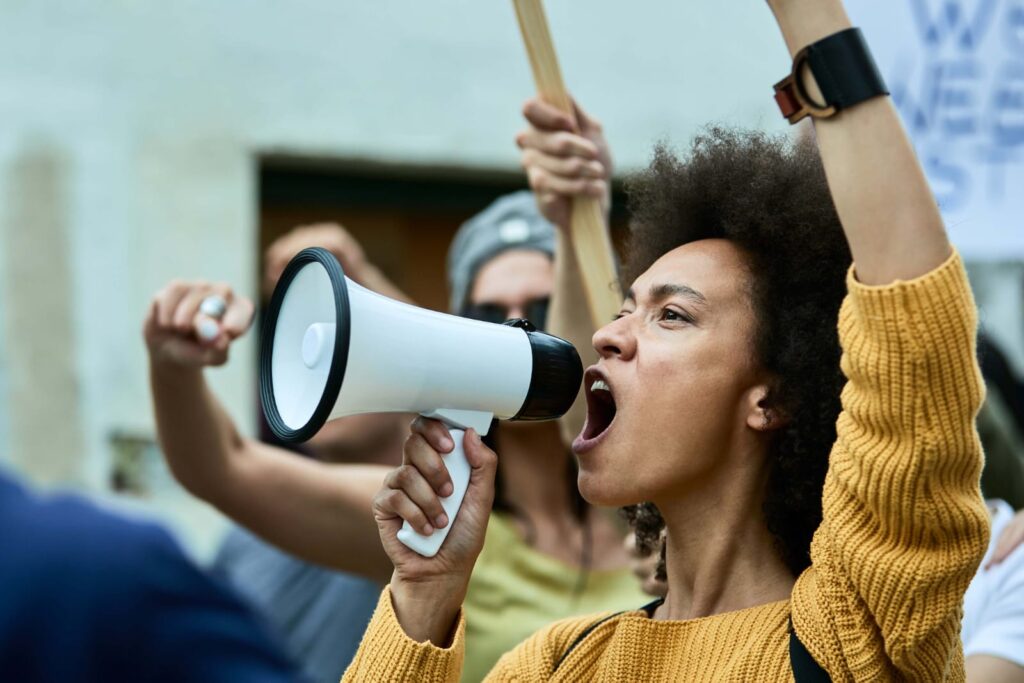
(404, 217)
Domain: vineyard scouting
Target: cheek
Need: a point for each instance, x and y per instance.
(670, 395)
(697, 381)
(687, 409)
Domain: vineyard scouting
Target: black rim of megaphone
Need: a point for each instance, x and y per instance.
(338, 360)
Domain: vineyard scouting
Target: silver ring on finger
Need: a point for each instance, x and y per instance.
(214, 306)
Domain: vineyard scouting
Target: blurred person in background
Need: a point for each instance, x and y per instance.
(92, 597)
(547, 553)
(319, 613)
(993, 623)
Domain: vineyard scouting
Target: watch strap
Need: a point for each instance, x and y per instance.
(845, 71)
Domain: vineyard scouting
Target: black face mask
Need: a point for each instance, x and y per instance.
(535, 310)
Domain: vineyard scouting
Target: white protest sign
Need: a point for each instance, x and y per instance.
(956, 72)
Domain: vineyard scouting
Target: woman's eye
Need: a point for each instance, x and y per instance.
(674, 316)
(620, 315)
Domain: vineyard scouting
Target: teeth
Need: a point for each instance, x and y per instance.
(600, 385)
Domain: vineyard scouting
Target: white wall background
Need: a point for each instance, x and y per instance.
(130, 130)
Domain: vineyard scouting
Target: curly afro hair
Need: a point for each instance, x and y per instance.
(768, 196)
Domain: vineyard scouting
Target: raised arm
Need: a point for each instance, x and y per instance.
(318, 511)
(890, 217)
(904, 526)
(563, 159)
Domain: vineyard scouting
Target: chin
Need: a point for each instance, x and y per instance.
(605, 491)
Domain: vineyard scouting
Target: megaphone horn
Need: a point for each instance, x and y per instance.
(332, 348)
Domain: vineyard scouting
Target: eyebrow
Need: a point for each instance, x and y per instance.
(661, 292)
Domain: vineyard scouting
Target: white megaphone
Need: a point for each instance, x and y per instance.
(332, 348)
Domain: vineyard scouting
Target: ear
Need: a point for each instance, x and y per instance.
(762, 414)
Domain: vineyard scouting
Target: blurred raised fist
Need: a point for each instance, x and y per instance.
(339, 242)
(192, 323)
(330, 236)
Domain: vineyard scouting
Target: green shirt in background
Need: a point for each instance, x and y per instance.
(515, 591)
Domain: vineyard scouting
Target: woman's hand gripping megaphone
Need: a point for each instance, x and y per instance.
(412, 493)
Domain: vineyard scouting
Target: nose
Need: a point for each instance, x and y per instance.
(615, 339)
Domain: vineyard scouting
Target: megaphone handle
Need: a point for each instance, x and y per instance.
(458, 470)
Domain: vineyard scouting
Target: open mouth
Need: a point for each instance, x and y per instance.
(601, 410)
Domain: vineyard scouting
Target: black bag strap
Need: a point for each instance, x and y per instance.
(805, 669)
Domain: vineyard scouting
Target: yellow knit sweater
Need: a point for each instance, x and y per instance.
(904, 529)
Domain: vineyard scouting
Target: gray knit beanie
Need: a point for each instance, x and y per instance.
(510, 222)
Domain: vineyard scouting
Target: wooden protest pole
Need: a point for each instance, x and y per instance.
(588, 231)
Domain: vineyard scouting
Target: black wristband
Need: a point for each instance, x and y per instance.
(845, 71)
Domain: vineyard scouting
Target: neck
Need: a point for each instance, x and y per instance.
(720, 555)
(534, 469)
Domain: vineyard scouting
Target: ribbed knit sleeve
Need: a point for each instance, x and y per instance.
(904, 526)
(387, 654)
